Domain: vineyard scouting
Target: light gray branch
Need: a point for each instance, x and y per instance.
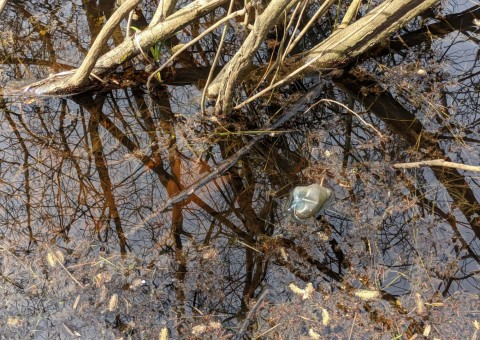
(3, 3)
(437, 162)
(235, 70)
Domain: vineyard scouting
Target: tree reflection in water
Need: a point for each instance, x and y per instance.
(85, 249)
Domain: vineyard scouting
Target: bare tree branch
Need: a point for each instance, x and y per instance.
(81, 75)
(3, 3)
(235, 70)
(351, 13)
(345, 44)
(164, 9)
(437, 162)
(57, 84)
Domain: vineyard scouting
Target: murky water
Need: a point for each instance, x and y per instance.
(104, 232)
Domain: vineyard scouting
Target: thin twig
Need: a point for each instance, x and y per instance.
(267, 331)
(252, 311)
(215, 60)
(129, 24)
(437, 162)
(190, 43)
(66, 270)
(351, 13)
(299, 20)
(313, 20)
(353, 112)
(353, 324)
(281, 55)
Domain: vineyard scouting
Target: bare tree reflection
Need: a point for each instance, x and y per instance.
(83, 175)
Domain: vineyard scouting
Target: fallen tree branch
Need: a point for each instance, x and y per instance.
(83, 72)
(351, 13)
(195, 40)
(129, 49)
(437, 162)
(342, 46)
(3, 3)
(235, 70)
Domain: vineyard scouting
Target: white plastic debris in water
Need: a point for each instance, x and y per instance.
(306, 202)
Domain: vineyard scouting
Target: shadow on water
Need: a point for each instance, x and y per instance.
(87, 251)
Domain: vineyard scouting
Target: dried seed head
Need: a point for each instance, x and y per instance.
(199, 329)
(325, 317)
(112, 304)
(304, 293)
(75, 304)
(101, 278)
(51, 260)
(367, 294)
(421, 72)
(13, 321)
(309, 290)
(214, 325)
(426, 331)
(103, 293)
(295, 289)
(163, 334)
(313, 334)
(210, 253)
(137, 282)
(420, 304)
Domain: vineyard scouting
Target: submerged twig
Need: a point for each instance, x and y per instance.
(65, 269)
(252, 311)
(289, 113)
(356, 114)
